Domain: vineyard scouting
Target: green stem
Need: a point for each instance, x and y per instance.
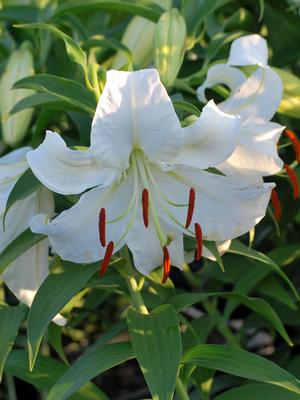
(10, 386)
(180, 390)
(134, 287)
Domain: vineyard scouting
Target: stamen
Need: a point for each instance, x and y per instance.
(295, 142)
(276, 205)
(293, 179)
(101, 225)
(167, 264)
(145, 201)
(199, 244)
(106, 259)
(190, 208)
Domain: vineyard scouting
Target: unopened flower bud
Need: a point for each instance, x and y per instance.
(20, 65)
(169, 45)
(138, 38)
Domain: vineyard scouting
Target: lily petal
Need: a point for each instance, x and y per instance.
(74, 233)
(147, 250)
(257, 154)
(134, 111)
(221, 74)
(224, 208)
(210, 140)
(249, 50)
(257, 99)
(67, 171)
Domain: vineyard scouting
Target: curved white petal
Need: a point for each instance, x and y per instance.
(147, 250)
(74, 233)
(256, 155)
(134, 111)
(224, 208)
(257, 99)
(221, 74)
(249, 50)
(210, 139)
(67, 171)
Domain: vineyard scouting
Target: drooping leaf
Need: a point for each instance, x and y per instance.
(88, 366)
(258, 391)
(238, 362)
(54, 293)
(10, 321)
(156, 342)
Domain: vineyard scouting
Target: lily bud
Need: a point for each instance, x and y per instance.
(169, 45)
(20, 65)
(138, 38)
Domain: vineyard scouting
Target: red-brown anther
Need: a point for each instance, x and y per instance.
(295, 142)
(101, 226)
(293, 179)
(106, 259)
(276, 205)
(191, 207)
(145, 202)
(199, 244)
(167, 264)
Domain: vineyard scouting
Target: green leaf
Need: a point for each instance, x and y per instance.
(260, 306)
(74, 51)
(17, 247)
(156, 342)
(46, 372)
(66, 89)
(54, 334)
(54, 293)
(47, 100)
(187, 107)
(238, 362)
(257, 391)
(237, 247)
(88, 366)
(24, 187)
(146, 9)
(10, 321)
(19, 14)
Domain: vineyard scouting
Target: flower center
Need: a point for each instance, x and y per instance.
(147, 192)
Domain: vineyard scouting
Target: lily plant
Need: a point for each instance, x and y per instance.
(24, 275)
(145, 180)
(255, 99)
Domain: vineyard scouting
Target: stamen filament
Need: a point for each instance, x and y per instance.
(101, 225)
(145, 202)
(191, 207)
(295, 142)
(276, 205)
(106, 259)
(293, 179)
(199, 242)
(166, 264)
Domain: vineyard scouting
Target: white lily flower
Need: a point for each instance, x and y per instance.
(255, 100)
(147, 179)
(24, 275)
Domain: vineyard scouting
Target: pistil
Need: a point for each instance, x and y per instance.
(106, 259)
(276, 205)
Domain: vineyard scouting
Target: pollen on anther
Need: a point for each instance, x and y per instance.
(191, 207)
(295, 142)
(199, 241)
(276, 205)
(106, 259)
(145, 204)
(293, 179)
(101, 225)
(166, 264)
